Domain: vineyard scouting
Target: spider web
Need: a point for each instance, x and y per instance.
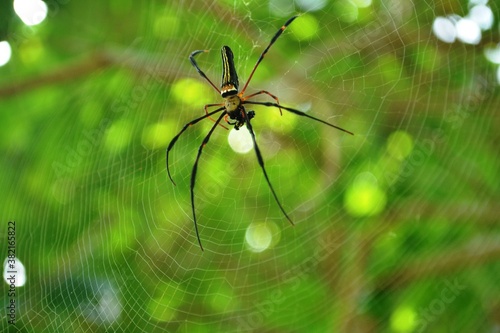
(108, 241)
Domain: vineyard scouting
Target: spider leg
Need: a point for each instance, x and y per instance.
(212, 119)
(261, 162)
(264, 92)
(174, 140)
(193, 62)
(297, 112)
(195, 169)
(280, 31)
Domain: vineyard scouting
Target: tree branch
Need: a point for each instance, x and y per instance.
(477, 252)
(98, 60)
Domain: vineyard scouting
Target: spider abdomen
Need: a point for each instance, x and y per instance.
(230, 81)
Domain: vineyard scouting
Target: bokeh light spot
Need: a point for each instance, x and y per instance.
(399, 145)
(492, 53)
(31, 50)
(31, 12)
(167, 27)
(17, 267)
(468, 31)
(364, 197)
(444, 29)
(482, 15)
(281, 8)
(240, 140)
(362, 3)
(157, 135)
(191, 92)
(222, 301)
(307, 28)
(5, 52)
(403, 319)
(347, 11)
(310, 5)
(118, 136)
(259, 236)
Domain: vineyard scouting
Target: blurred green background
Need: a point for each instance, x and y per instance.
(396, 227)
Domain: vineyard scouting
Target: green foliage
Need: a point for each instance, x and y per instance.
(396, 227)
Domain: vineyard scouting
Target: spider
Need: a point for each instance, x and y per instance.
(234, 113)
